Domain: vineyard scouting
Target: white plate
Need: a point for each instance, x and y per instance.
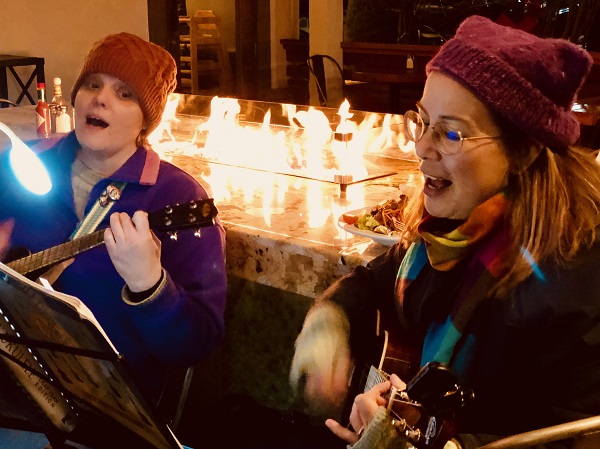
(382, 239)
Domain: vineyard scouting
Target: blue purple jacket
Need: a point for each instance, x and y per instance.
(184, 322)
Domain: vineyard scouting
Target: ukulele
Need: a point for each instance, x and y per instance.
(192, 215)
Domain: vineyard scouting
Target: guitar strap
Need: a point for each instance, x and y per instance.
(89, 224)
(100, 208)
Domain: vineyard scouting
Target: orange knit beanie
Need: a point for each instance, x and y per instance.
(148, 69)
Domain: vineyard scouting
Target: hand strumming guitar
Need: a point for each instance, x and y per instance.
(322, 359)
(134, 250)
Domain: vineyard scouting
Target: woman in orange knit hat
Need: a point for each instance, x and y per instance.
(160, 301)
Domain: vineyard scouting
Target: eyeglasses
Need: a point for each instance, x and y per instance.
(447, 140)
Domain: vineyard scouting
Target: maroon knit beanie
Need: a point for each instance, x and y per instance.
(148, 69)
(526, 80)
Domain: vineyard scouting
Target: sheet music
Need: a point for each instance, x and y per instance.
(100, 385)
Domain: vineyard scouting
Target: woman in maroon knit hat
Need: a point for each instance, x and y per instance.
(496, 277)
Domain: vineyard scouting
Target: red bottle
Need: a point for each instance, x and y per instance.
(42, 111)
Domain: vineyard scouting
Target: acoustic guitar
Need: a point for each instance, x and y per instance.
(192, 215)
(389, 350)
(423, 413)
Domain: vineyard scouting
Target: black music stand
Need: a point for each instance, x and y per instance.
(77, 364)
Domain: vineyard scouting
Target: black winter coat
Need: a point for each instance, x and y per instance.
(538, 361)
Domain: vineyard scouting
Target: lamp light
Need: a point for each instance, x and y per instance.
(27, 167)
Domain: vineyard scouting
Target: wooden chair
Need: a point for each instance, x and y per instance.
(210, 67)
(185, 58)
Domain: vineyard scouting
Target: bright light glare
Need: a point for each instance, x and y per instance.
(28, 169)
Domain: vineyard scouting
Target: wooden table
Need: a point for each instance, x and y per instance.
(588, 113)
(21, 120)
(400, 66)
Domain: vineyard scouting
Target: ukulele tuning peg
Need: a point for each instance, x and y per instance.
(193, 205)
(168, 210)
(173, 235)
(198, 233)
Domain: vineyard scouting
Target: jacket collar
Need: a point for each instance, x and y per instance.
(142, 167)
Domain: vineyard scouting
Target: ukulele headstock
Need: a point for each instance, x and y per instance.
(192, 215)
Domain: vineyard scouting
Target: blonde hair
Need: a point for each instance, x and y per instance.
(554, 211)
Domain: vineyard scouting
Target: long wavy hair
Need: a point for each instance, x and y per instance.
(555, 201)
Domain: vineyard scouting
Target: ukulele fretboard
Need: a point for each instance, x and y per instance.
(192, 215)
(58, 253)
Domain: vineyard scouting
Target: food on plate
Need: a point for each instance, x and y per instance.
(390, 213)
(387, 217)
(350, 218)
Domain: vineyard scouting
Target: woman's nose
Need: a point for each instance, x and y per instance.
(100, 96)
(426, 148)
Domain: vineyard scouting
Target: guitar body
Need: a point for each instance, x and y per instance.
(389, 349)
(432, 395)
(400, 353)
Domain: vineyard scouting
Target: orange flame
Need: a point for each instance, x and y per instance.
(306, 147)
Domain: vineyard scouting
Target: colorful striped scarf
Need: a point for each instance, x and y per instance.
(483, 240)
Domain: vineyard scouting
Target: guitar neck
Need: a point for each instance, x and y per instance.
(192, 215)
(57, 254)
(375, 377)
